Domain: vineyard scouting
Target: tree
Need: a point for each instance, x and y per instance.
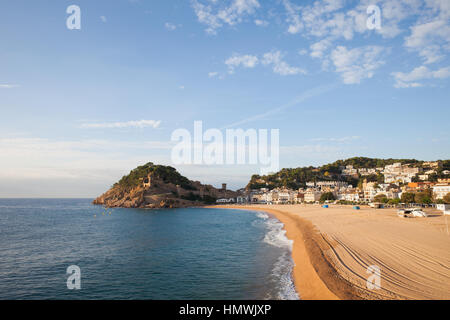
(381, 198)
(380, 178)
(327, 196)
(360, 184)
(407, 197)
(424, 197)
(393, 201)
(447, 198)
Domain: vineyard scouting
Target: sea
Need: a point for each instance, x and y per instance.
(70, 249)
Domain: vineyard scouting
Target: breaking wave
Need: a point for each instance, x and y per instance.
(283, 266)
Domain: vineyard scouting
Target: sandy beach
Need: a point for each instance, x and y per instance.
(334, 247)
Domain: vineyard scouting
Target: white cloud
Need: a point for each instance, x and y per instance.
(247, 61)
(430, 40)
(318, 19)
(128, 124)
(431, 54)
(441, 7)
(8, 86)
(273, 58)
(410, 80)
(356, 64)
(393, 14)
(215, 13)
(280, 67)
(170, 26)
(213, 74)
(332, 19)
(103, 19)
(302, 52)
(318, 48)
(342, 139)
(37, 167)
(45, 158)
(261, 23)
(293, 17)
(427, 33)
(308, 150)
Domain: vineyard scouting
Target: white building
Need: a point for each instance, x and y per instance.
(399, 173)
(349, 171)
(440, 190)
(338, 184)
(312, 196)
(225, 200)
(352, 196)
(242, 199)
(443, 207)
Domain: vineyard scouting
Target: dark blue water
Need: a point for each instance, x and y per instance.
(140, 254)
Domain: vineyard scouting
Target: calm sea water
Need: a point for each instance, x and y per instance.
(140, 254)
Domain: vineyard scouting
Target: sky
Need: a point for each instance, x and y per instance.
(82, 107)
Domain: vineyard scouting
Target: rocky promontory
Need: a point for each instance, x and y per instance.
(156, 186)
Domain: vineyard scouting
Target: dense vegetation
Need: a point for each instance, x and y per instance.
(165, 173)
(362, 162)
(297, 177)
(447, 198)
(193, 197)
(327, 196)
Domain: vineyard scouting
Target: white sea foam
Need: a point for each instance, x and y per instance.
(282, 272)
(282, 269)
(276, 235)
(262, 215)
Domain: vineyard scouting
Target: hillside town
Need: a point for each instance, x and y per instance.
(400, 184)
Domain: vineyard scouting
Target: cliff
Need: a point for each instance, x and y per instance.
(155, 186)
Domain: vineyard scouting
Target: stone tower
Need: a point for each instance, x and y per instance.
(147, 182)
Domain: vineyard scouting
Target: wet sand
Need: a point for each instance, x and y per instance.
(334, 247)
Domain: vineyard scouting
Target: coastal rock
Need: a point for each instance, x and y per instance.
(154, 186)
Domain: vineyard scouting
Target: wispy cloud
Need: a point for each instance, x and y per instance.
(246, 61)
(280, 67)
(170, 26)
(261, 23)
(340, 139)
(91, 166)
(411, 79)
(304, 96)
(273, 59)
(8, 86)
(214, 14)
(356, 64)
(128, 124)
(103, 18)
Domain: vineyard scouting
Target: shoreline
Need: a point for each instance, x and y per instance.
(308, 284)
(333, 249)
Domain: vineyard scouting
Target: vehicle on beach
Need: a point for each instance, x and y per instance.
(409, 213)
(376, 205)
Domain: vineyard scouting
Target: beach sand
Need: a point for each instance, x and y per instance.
(334, 247)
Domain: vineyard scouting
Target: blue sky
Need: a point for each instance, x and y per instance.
(72, 101)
